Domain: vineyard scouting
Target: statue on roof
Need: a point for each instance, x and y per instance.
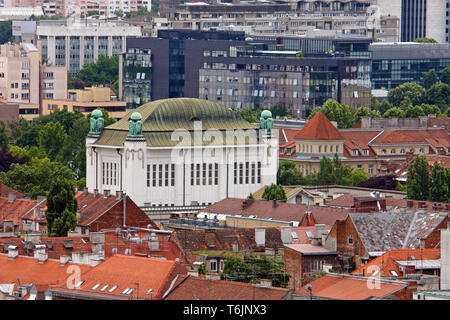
(266, 121)
(96, 122)
(135, 125)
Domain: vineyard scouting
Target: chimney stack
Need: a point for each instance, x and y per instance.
(153, 242)
(38, 249)
(42, 257)
(63, 260)
(106, 193)
(265, 283)
(13, 252)
(119, 195)
(286, 235)
(11, 197)
(85, 191)
(319, 229)
(274, 203)
(95, 193)
(260, 236)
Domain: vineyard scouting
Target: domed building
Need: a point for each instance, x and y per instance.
(179, 152)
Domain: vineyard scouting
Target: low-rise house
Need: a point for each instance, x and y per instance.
(122, 277)
(361, 236)
(17, 214)
(349, 287)
(197, 288)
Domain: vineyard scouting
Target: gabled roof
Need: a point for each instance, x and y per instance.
(282, 211)
(387, 263)
(342, 287)
(5, 190)
(435, 137)
(195, 288)
(137, 273)
(91, 207)
(18, 209)
(392, 230)
(28, 270)
(319, 128)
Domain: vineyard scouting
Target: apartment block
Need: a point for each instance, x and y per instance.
(24, 80)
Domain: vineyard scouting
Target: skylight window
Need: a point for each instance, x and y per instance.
(96, 286)
(394, 273)
(294, 235)
(112, 289)
(124, 291)
(104, 288)
(129, 291)
(79, 284)
(149, 291)
(309, 234)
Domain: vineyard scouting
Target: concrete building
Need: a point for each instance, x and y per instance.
(73, 43)
(85, 101)
(170, 166)
(396, 63)
(24, 80)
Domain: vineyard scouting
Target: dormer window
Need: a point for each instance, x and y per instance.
(354, 152)
(366, 152)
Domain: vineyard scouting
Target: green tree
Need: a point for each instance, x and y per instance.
(6, 31)
(280, 110)
(74, 82)
(33, 178)
(252, 269)
(155, 6)
(445, 76)
(426, 40)
(289, 174)
(418, 180)
(447, 181)
(439, 95)
(412, 91)
(52, 138)
(4, 136)
(438, 188)
(30, 152)
(429, 78)
(73, 153)
(357, 176)
(394, 113)
(325, 175)
(430, 109)
(61, 208)
(249, 115)
(366, 112)
(414, 111)
(383, 106)
(274, 192)
(335, 111)
(103, 72)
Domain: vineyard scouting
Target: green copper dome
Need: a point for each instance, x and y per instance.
(97, 113)
(136, 116)
(161, 118)
(266, 114)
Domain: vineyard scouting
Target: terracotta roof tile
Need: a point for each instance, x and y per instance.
(302, 235)
(319, 128)
(386, 263)
(346, 288)
(5, 190)
(17, 209)
(195, 288)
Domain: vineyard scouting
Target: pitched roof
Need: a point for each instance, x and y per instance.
(196, 288)
(264, 209)
(391, 230)
(319, 128)
(5, 190)
(223, 239)
(341, 287)
(17, 209)
(302, 236)
(435, 137)
(386, 263)
(141, 274)
(27, 270)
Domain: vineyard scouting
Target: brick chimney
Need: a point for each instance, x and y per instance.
(153, 242)
(260, 236)
(106, 193)
(63, 260)
(286, 234)
(274, 201)
(11, 197)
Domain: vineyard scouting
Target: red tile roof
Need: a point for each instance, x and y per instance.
(123, 271)
(196, 288)
(350, 288)
(27, 270)
(302, 236)
(17, 209)
(263, 209)
(5, 190)
(386, 262)
(319, 128)
(435, 137)
(92, 207)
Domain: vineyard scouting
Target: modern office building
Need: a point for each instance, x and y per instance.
(74, 43)
(245, 74)
(397, 63)
(190, 152)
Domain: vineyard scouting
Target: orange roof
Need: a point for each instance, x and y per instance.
(5, 190)
(17, 209)
(319, 128)
(141, 274)
(436, 137)
(28, 270)
(196, 288)
(386, 262)
(351, 288)
(302, 235)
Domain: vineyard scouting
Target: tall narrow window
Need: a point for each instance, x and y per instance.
(210, 172)
(172, 176)
(198, 174)
(166, 175)
(216, 174)
(204, 174)
(160, 175)
(115, 174)
(241, 173)
(253, 172)
(103, 173)
(259, 172)
(148, 175)
(154, 175)
(192, 174)
(247, 169)
(235, 173)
